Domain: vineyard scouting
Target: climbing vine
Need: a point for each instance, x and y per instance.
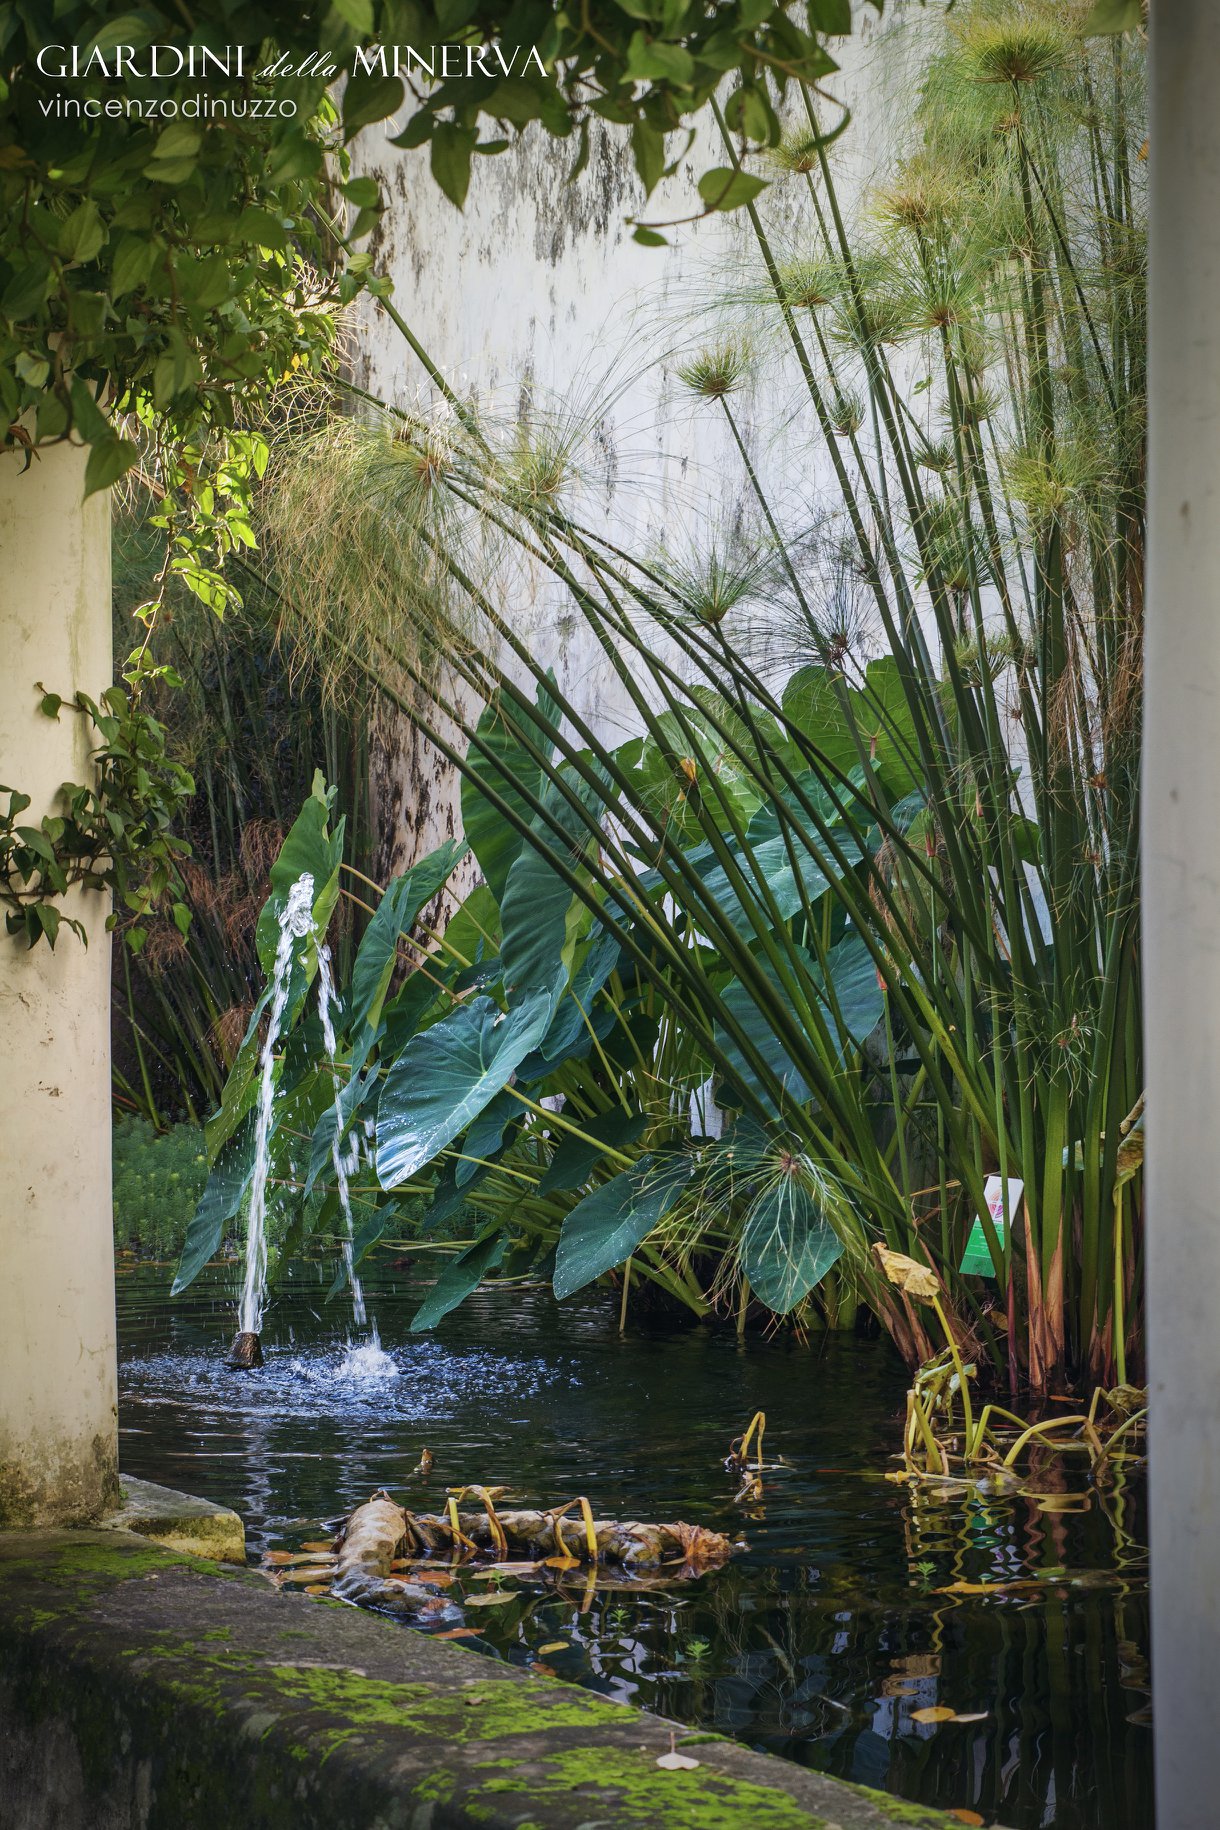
(114, 834)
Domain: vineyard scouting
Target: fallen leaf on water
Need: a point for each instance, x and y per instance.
(460, 1633)
(997, 1588)
(676, 1763)
(936, 1712)
(561, 1562)
(978, 1715)
(319, 1544)
(546, 1670)
(965, 1817)
(495, 1600)
(555, 1645)
(318, 1588)
(899, 1687)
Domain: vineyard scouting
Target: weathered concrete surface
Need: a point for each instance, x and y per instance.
(140, 1690)
(179, 1521)
(58, 1387)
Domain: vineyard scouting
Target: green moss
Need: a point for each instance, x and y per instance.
(900, 1811)
(488, 1713)
(37, 1577)
(645, 1794)
(437, 1788)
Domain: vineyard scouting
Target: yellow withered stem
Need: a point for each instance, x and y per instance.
(758, 1422)
(590, 1531)
(459, 1536)
(499, 1537)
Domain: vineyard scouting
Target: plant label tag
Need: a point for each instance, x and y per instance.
(976, 1259)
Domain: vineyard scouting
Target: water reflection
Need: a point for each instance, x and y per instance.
(822, 1640)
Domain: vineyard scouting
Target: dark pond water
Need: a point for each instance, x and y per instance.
(821, 1638)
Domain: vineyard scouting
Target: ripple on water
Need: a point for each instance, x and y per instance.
(346, 1378)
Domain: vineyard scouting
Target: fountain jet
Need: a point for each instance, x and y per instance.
(296, 921)
(342, 1163)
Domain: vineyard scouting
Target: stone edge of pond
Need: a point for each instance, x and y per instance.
(139, 1686)
(178, 1521)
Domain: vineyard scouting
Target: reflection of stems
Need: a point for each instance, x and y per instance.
(1139, 1417)
(1039, 1429)
(967, 1411)
(1120, 1325)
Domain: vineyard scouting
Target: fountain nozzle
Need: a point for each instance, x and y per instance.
(246, 1351)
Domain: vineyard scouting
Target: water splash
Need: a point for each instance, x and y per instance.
(369, 1363)
(296, 921)
(343, 1163)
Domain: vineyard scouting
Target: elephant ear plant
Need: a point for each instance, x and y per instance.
(520, 1069)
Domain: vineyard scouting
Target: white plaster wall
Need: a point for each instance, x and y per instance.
(58, 1399)
(537, 294)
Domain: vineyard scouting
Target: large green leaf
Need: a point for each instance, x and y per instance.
(861, 1002)
(223, 1194)
(765, 824)
(883, 718)
(241, 1085)
(570, 1026)
(446, 1075)
(534, 915)
(460, 1277)
(396, 912)
(671, 772)
(507, 770)
(607, 1226)
(486, 1134)
(536, 909)
(448, 1200)
(772, 867)
(813, 703)
(787, 1246)
(576, 1157)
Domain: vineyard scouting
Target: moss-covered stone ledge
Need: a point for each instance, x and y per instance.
(143, 1690)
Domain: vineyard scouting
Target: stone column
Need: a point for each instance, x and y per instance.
(58, 1408)
(1181, 859)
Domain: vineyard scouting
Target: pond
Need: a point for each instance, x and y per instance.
(827, 1632)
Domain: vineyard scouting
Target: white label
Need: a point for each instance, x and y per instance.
(993, 1191)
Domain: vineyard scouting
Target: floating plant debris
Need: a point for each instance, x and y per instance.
(381, 1538)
